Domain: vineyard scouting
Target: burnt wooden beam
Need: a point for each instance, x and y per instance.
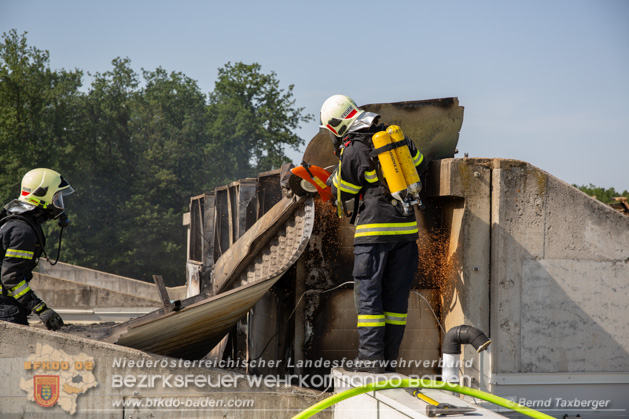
(163, 292)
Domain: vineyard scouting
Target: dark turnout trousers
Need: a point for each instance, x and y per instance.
(383, 275)
(12, 311)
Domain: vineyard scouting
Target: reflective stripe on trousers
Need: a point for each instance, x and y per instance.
(19, 290)
(383, 275)
(386, 229)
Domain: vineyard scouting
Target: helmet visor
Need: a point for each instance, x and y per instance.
(57, 199)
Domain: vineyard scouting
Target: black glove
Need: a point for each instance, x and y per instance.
(49, 316)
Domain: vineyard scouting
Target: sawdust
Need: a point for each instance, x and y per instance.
(436, 265)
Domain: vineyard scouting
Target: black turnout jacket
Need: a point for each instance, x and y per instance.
(378, 220)
(21, 245)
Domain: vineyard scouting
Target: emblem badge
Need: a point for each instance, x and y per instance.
(46, 389)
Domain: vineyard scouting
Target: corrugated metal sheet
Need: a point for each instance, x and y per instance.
(252, 265)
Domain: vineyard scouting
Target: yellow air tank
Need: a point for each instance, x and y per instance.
(391, 168)
(411, 177)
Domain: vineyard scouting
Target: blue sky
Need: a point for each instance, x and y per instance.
(546, 82)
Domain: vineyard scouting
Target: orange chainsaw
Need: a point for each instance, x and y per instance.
(309, 179)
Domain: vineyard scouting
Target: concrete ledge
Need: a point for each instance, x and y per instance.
(109, 281)
(115, 377)
(95, 315)
(58, 292)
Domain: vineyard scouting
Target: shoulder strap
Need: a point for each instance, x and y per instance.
(390, 146)
(40, 237)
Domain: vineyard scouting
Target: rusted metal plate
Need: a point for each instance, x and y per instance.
(275, 243)
(433, 125)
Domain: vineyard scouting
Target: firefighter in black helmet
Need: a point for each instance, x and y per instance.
(385, 248)
(22, 243)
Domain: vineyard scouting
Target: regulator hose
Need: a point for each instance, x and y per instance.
(58, 250)
(402, 383)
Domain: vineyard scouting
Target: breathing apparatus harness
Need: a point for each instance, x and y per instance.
(62, 222)
(401, 202)
(340, 204)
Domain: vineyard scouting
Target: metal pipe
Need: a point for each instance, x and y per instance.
(457, 336)
(464, 334)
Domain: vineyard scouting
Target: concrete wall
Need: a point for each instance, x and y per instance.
(58, 293)
(540, 266)
(109, 281)
(462, 189)
(560, 276)
(20, 344)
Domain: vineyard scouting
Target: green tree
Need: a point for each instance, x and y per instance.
(169, 123)
(251, 121)
(38, 108)
(602, 194)
(136, 150)
(105, 159)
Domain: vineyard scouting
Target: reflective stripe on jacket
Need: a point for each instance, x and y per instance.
(19, 253)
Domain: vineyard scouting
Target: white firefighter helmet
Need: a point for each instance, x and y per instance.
(338, 112)
(45, 188)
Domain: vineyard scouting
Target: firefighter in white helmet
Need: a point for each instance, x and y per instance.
(385, 248)
(22, 242)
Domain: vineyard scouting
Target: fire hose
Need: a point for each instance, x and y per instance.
(403, 383)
